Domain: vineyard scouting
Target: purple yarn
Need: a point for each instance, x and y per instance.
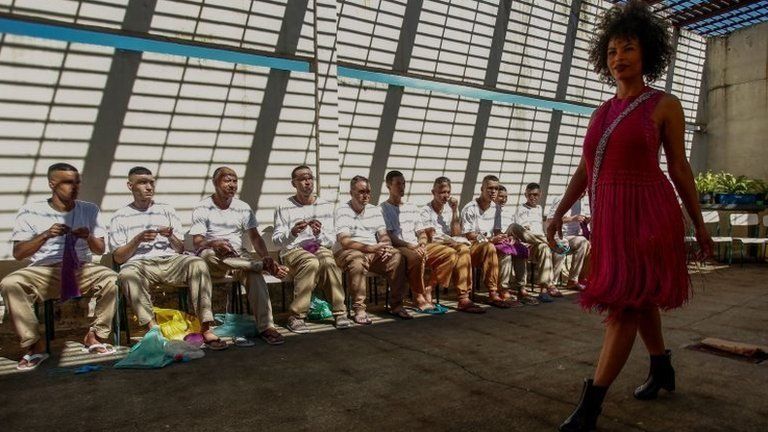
(585, 229)
(310, 246)
(69, 266)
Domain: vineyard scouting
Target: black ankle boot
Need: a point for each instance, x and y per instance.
(584, 417)
(661, 376)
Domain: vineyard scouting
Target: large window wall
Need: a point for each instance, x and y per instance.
(105, 109)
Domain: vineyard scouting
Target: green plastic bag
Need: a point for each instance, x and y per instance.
(149, 353)
(319, 309)
(235, 325)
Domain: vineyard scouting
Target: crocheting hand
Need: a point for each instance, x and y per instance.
(56, 230)
(82, 232)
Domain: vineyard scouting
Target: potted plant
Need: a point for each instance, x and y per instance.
(730, 189)
(759, 188)
(705, 185)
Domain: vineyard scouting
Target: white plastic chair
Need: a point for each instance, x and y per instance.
(747, 220)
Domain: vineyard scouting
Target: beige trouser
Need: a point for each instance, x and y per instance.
(541, 254)
(23, 287)
(440, 259)
(357, 263)
(310, 271)
(484, 254)
(139, 276)
(512, 272)
(580, 249)
(248, 272)
(461, 273)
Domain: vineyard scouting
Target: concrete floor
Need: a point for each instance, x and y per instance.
(510, 370)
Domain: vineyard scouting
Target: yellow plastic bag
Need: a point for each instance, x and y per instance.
(174, 324)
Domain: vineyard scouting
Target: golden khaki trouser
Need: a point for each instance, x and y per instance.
(512, 272)
(580, 249)
(139, 276)
(248, 272)
(357, 263)
(21, 288)
(461, 273)
(484, 254)
(310, 271)
(440, 260)
(541, 254)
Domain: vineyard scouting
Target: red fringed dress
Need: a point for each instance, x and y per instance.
(638, 256)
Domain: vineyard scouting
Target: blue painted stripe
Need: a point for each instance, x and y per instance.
(460, 90)
(146, 44)
(142, 44)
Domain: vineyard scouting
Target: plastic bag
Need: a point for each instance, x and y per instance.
(149, 353)
(176, 324)
(319, 309)
(234, 325)
(182, 351)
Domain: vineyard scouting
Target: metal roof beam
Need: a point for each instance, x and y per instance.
(713, 13)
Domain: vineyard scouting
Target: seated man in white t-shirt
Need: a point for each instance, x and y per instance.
(512, 269)
(363, 244)
(142, 237)
(481, 225)
(573, 221)
(58, 236)
(408, 235)
(304, 229)
(528, 227)
(442, 225)
(219, 223)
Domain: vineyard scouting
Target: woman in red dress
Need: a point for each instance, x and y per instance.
(638, 259)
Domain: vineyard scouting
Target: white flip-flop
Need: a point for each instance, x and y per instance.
(41, 357)
(94, 349)
(243, 342)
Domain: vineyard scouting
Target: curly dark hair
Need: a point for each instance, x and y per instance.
(633, 19)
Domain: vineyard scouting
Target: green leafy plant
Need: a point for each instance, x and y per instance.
(727, 183)
(706, 182)
(759, 187)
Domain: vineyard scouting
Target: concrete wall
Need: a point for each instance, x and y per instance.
(735, 109)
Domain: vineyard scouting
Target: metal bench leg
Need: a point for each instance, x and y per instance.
(49, 324)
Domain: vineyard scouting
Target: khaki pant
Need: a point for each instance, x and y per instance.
(23, 287)
(512, 272)
(248, 272)
(484, 254)
(540, 252)
(310, 271)
(357, 263)
(580, 249)
(461, 273)
(440, 259)
(139, 276)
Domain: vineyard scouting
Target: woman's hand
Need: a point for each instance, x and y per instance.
(706, 246)
(555, 228)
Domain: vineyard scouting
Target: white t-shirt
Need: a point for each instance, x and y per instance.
(129, 221)
(360, 227)
(34, 218)
(441, 222)
(473, 219)
(215, 223)
(532, 217)
(290, 211)
(580, 207)
(403, 220)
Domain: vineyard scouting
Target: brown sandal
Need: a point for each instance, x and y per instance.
(470, 307)
(499, 303)
(362, 318)
(401, 313)
(272, 336)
